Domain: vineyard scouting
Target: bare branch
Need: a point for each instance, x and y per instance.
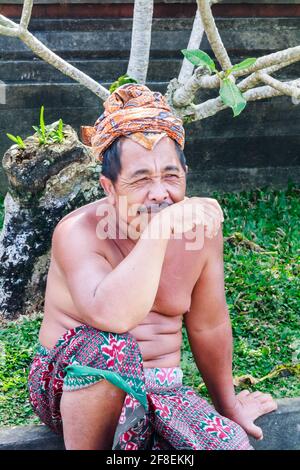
(26, 14)
(9, 28)
(253, 79)
(7, 31)
(277, 61)
(263, 92)
(140, 40)
(187, 67)
(186, 93)
(286, 89)
(212, 34)
(213, 106)
(67, 69)
(7, 22)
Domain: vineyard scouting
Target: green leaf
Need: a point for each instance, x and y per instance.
(60, 126)
(198, 57)
(12, 137)
(122, 80)
(232, 96)
(42, 122)
(37, 129)
(244, 64)
(18, 140)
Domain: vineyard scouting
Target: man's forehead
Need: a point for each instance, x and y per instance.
(135, 156)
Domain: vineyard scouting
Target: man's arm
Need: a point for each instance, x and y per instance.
(108, 299)
(209, 328)
(210, 336)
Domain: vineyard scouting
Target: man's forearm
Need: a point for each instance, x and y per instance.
(126, 295)
(212, 350)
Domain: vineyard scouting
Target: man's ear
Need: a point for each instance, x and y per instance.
(108, 188)
(187, 168)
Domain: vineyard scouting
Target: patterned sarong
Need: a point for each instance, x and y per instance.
(158, 411)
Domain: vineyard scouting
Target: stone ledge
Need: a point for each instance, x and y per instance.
(281, 432)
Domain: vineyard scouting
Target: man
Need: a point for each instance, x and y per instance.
(121, 281)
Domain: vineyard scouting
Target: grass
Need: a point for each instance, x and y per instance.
(262, 292)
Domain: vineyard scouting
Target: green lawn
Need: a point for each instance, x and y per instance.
(262, 291)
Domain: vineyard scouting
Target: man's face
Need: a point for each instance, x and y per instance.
(149, 180)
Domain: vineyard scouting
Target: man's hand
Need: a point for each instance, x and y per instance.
(213, 216)
(203, 211)
(248, 407)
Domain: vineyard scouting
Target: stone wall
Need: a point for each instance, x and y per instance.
(261, 146)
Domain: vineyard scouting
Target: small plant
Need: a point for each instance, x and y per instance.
(229, 93)
(121, 81)
(47, 135)
(18, 140)
(57, 135)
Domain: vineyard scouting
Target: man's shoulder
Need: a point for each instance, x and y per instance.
(78, 227)
(81, 214)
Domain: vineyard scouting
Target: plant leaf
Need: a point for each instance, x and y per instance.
(37, 129)
(60, 125)
(198, 57)
(42, 122)
(12, 137)
(122, 80)
(244, 64)
(232, 96)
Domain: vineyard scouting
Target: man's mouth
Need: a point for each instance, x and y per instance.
(153, 208)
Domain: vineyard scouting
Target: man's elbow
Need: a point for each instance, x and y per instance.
(107, 321)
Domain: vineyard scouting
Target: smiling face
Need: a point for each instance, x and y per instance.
(149, 179)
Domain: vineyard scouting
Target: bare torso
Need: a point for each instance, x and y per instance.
(159, 336)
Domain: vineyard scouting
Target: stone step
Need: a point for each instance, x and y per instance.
(164, 69)
(281, 430)
(112, 38)
(57, 97)
(14, 71)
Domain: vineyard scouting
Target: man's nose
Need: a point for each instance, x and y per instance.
(158, 192)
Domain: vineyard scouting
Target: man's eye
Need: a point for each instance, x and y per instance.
(171, 176)
(142, 179)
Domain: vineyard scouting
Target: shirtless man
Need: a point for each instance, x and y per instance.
(146, 287)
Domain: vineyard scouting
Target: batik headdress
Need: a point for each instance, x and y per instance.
(133, 111)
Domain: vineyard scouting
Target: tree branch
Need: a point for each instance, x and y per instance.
(60, 64)
(270, 62)
(140, 40)
(187, 67)
(213, 106)
(212, 34)
(26, 14)
(9, 28)
(285, 88)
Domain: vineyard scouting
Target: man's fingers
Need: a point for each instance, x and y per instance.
(268, 406)
(255, 431)
(243, 393)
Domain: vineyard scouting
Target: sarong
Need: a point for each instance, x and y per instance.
(158, 412)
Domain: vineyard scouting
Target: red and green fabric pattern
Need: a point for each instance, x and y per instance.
(159, 412)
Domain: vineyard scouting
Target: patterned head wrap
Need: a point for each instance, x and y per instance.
(133, 111)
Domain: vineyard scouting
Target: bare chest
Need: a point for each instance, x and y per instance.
(179, 274)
